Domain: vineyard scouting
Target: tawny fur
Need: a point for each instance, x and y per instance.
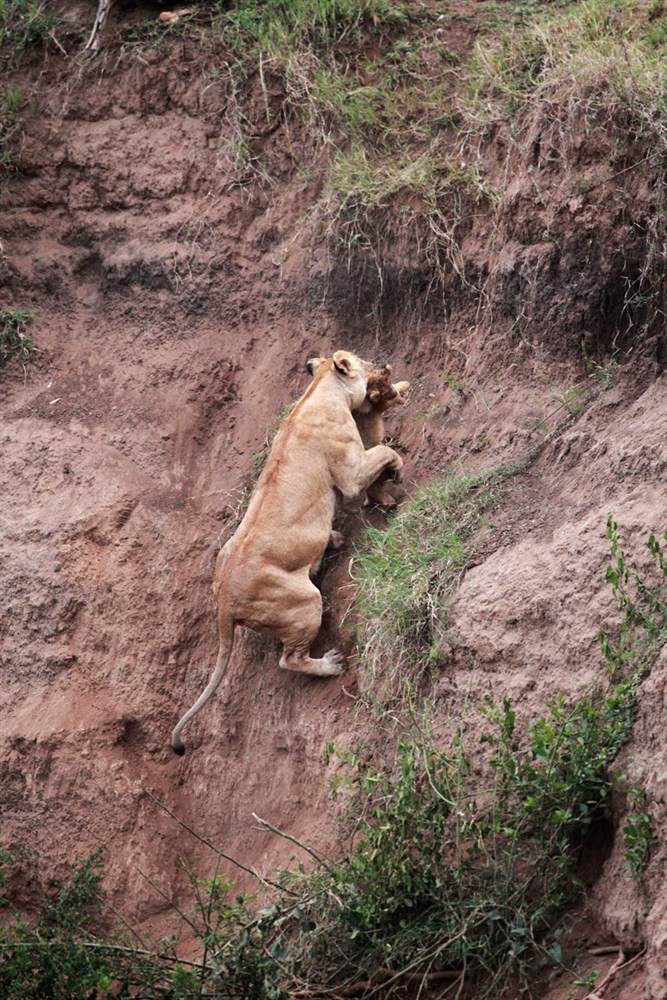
(262, 574)
(381, 395)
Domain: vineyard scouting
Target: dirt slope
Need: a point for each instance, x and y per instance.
(174, 314)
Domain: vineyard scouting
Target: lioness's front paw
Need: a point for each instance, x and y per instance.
(334, 663)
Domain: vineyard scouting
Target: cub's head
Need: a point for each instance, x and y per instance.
(352, 372)
(382, 394)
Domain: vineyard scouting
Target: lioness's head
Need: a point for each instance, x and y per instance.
(352, 372)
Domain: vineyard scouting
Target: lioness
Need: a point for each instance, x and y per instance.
(381, 395)
(262, 574)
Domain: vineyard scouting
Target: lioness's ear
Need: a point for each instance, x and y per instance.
(312, 364)
(342, 362)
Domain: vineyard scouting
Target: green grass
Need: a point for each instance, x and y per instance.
(406, 574)
(11, 104)
(280, 28)
(599, 58)
(15, 342)
(23, 22)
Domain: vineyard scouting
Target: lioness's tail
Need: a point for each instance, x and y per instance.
(226, 625)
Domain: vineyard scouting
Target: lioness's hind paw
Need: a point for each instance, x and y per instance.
(335, 663)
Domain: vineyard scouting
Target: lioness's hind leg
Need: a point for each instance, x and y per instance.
(336, 541)
(301, 623)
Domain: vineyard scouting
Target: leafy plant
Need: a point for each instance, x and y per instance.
(643, 629)
(638, 835)
(48, 959)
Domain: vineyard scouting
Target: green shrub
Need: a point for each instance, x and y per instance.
(638, 835)
(47, 958)
(461, 868)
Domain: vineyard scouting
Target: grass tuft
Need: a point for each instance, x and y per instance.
(280, 28)
(406, 574)
(11, 104)
(23, 22)
(15, 342)
(599, 60)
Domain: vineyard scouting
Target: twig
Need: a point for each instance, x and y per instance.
(103, 9)
(221, 854)
(445, 976)
(265, 825)
(144, 951)
(52, 36)
(184, 917)
(101, 946)
(618, 965)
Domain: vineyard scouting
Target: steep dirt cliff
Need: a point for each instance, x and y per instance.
(174, 309)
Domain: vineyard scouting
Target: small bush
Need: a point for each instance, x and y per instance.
(15, 342)
(638, 835)
(48, 958)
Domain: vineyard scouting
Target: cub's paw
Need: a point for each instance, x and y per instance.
(401, 389)
(336, 540)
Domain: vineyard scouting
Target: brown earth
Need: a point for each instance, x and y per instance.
(175, 310)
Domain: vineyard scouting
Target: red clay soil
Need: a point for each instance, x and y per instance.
(174, 313)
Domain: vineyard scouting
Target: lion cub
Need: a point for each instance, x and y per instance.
(381, 395)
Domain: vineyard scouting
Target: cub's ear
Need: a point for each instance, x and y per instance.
(342, 362)
(312, 364)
